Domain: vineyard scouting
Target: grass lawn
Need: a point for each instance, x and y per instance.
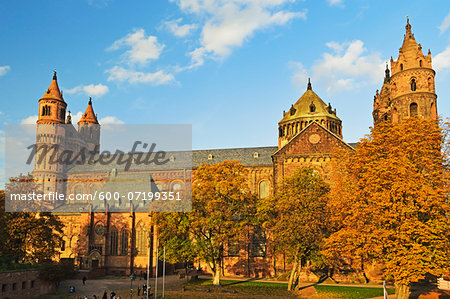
(235, 289)
(350, 292)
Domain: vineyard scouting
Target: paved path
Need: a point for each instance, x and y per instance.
(98, 286)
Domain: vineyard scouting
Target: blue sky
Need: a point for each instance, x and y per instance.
(228, 67)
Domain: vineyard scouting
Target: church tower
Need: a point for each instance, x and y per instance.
(410, 90)
(50, 135)
(307, 109)
(89, 129)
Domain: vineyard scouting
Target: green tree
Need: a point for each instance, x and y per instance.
(296, 217)
(392, 194)
(28, 237)
(222, 205)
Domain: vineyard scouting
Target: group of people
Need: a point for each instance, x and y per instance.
(144, 289)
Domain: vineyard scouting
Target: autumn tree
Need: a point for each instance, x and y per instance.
(222, 205)
(296, 217)
(391, 204)
(25, 236)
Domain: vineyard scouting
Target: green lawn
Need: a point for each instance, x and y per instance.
(241, 288)
(350, 292)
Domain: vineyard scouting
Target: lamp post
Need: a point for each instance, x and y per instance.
(132, 276)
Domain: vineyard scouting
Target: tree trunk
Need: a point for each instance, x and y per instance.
(216, 276)
(402, 291)
(293, 275)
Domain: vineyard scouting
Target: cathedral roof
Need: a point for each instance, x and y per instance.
(309, 106)
(53, 91)
(89, 116)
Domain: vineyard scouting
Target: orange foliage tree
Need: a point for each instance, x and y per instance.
(296, 217)
(389, 202)
(222, 205)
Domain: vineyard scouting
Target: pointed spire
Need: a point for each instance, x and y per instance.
(53, 91)
(89, 116)
(309, 84)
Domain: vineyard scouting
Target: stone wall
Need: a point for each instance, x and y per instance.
(23, 284)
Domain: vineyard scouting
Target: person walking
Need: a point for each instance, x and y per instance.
(84, 280)
(139, 289)
(105, 295)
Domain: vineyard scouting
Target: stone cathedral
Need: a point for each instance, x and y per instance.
(308, 133)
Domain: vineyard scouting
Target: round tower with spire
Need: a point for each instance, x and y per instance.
(308, 108)
(50, 139)
(409, 90)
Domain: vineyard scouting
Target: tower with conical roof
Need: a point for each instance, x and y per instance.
(308, 108)
(50, 139)
(408, 89)
(89, 128)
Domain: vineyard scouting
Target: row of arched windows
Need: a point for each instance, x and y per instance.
(114, 242)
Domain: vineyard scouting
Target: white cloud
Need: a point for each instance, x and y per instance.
(30, 120)
(335, 2)
(110, 120)
(445, 24)
(442, 60)
(98, 90)
(4, 69)
(346, 67)
(230, 23)
(179, 30)
(142, 48)
(300, 76)
(121, 74)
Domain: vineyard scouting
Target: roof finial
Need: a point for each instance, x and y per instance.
(387, 76)
(69, 118)
(309, 84)
(90, 101)
(54, 74)
(408, 26)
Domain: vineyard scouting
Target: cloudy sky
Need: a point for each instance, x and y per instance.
(228, 67)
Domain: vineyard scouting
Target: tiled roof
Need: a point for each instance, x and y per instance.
(250, 157)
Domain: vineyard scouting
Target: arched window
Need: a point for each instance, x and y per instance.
(263, 189)
(312, 107)
(420, 63)
(141, 239)
(114, 236)
(401, 66)
(413, 84)
(124, 242)
(413, 109)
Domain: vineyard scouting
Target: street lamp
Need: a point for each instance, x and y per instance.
(132, 276)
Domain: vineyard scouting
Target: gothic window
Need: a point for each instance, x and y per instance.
(385, 117)
(258, 243)
(124, 242)
(63, 245)
(413, 109)
(401, 66)
(141, 239)
(114, 241)
(413, 84)
(420, 63)
(263, 189)
(312, 107)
